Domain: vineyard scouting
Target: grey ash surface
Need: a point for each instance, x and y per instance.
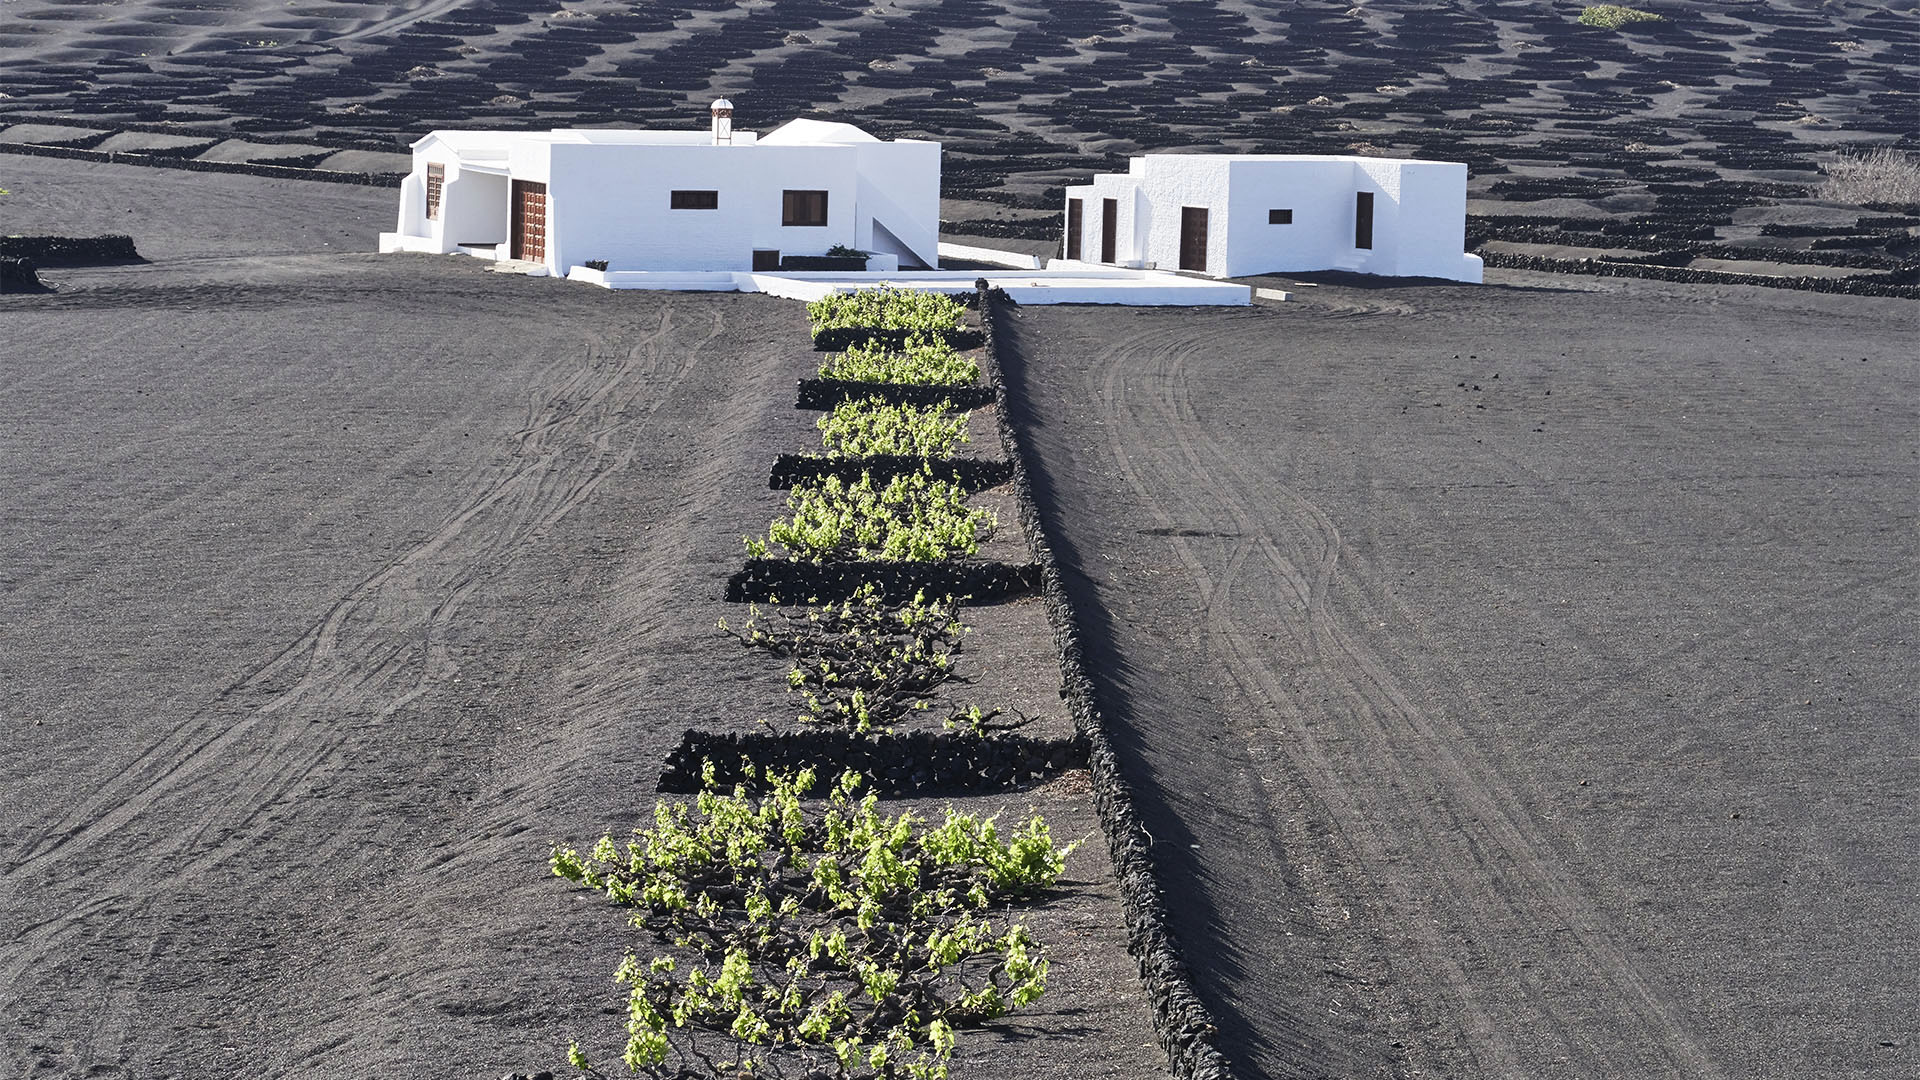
(1518, 680)
(334, 589)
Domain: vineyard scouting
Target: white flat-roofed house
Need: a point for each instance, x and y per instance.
(671, 200)
(1236, 215)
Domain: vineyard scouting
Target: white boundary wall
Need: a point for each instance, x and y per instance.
(1061, 283)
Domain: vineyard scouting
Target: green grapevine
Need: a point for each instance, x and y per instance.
(926, 361)
(845, 941)
(885, 308)
(863, 427)
(913, 517)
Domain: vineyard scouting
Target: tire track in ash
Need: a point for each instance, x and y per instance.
(158, 515)
(203, 794)
(1388, 769)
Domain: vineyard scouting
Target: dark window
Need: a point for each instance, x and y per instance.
(1073, 229)
(694, 200)
(1363, 219)
(1193, 238)
(436, 183)
(1279, 217)
(1109, 229)
(805, 208)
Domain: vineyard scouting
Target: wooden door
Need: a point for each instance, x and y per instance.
(1193, 238)
(1109, 228)
(1073, 229)
(1363, 219)
(529, 229)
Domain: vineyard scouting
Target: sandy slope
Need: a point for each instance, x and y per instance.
(334, 590)
(1524, 674)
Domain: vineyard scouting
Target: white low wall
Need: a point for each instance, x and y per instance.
(392, 242)
(1068, 284)
(786, 286)
(990, 256)
(665, 280)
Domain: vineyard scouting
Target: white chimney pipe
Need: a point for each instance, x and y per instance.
(723, 123)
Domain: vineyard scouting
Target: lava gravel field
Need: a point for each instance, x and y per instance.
(1518, 679)
(336, 589)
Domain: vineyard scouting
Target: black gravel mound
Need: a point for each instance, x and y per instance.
(824, 394)
(839, 339)
(70, 250)
(1185, 1029)
(972, 474)
(769, 580)
(18, 276)
(908, 764)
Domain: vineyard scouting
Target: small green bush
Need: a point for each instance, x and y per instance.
(864, 427)
(1615, 16)
(925, 361)
(844, 942)
(913, 518)
(864, 663)
(913, 310)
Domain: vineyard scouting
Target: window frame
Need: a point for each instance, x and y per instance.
(790, 208)
(694, 198)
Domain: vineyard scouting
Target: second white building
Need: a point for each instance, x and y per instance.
(1231, 215)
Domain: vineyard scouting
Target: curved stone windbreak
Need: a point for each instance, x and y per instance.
(283, 172)
(904, 764)
(1863, 285)
(1185, 1028)
(183, 125)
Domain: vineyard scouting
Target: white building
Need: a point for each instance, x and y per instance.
(1236, 215)
(672, 200)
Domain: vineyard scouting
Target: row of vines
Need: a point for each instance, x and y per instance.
(790, 924)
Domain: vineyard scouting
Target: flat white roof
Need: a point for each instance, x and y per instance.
(493, 145)
(805, 132)
(640, 137)
(1297, 157)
